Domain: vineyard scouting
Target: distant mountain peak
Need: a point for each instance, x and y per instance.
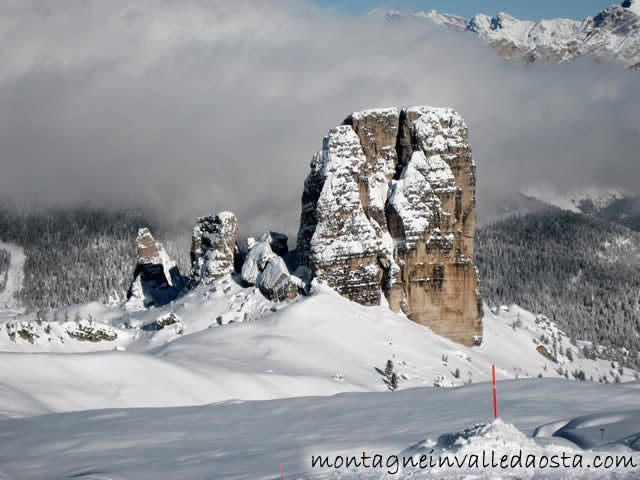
(613, 34)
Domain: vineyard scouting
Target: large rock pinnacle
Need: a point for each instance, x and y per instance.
(389, 208)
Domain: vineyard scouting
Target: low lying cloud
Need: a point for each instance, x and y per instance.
(192, 107)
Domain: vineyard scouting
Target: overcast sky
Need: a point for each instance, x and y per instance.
(193, 107)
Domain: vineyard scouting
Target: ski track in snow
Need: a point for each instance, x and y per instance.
(15, 276)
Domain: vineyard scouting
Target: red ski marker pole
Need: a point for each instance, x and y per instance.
(495, 392)
(281, 472)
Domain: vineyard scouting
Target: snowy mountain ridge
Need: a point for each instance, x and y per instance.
(585, 200)
(608, 204)
(613, 34)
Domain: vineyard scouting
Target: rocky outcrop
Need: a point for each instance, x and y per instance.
(544, 351)
(266, 269)
(214, 254)
(156, 279)
(389, 209)
(167, 320)
(27, 331)
(89, 331)
(214, 247)
(276, 283)
(42, 332)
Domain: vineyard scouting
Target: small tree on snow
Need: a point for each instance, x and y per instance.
(388, 369)
(393, 383)
(456, 374)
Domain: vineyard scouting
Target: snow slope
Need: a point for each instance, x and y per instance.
(242, 385)
(600, 430)
(249, 440)
(15, 275)
(318, 345)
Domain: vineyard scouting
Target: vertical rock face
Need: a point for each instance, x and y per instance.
(389, 208)
(336, 238)
(213, 247)
(157, 280)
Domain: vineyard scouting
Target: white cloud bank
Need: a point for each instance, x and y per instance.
(191, 107)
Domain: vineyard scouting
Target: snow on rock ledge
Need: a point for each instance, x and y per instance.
(389, 208)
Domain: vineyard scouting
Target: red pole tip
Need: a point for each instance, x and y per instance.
(495, 392)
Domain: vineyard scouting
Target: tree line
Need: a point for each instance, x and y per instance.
(73, 256)
(580, 271)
